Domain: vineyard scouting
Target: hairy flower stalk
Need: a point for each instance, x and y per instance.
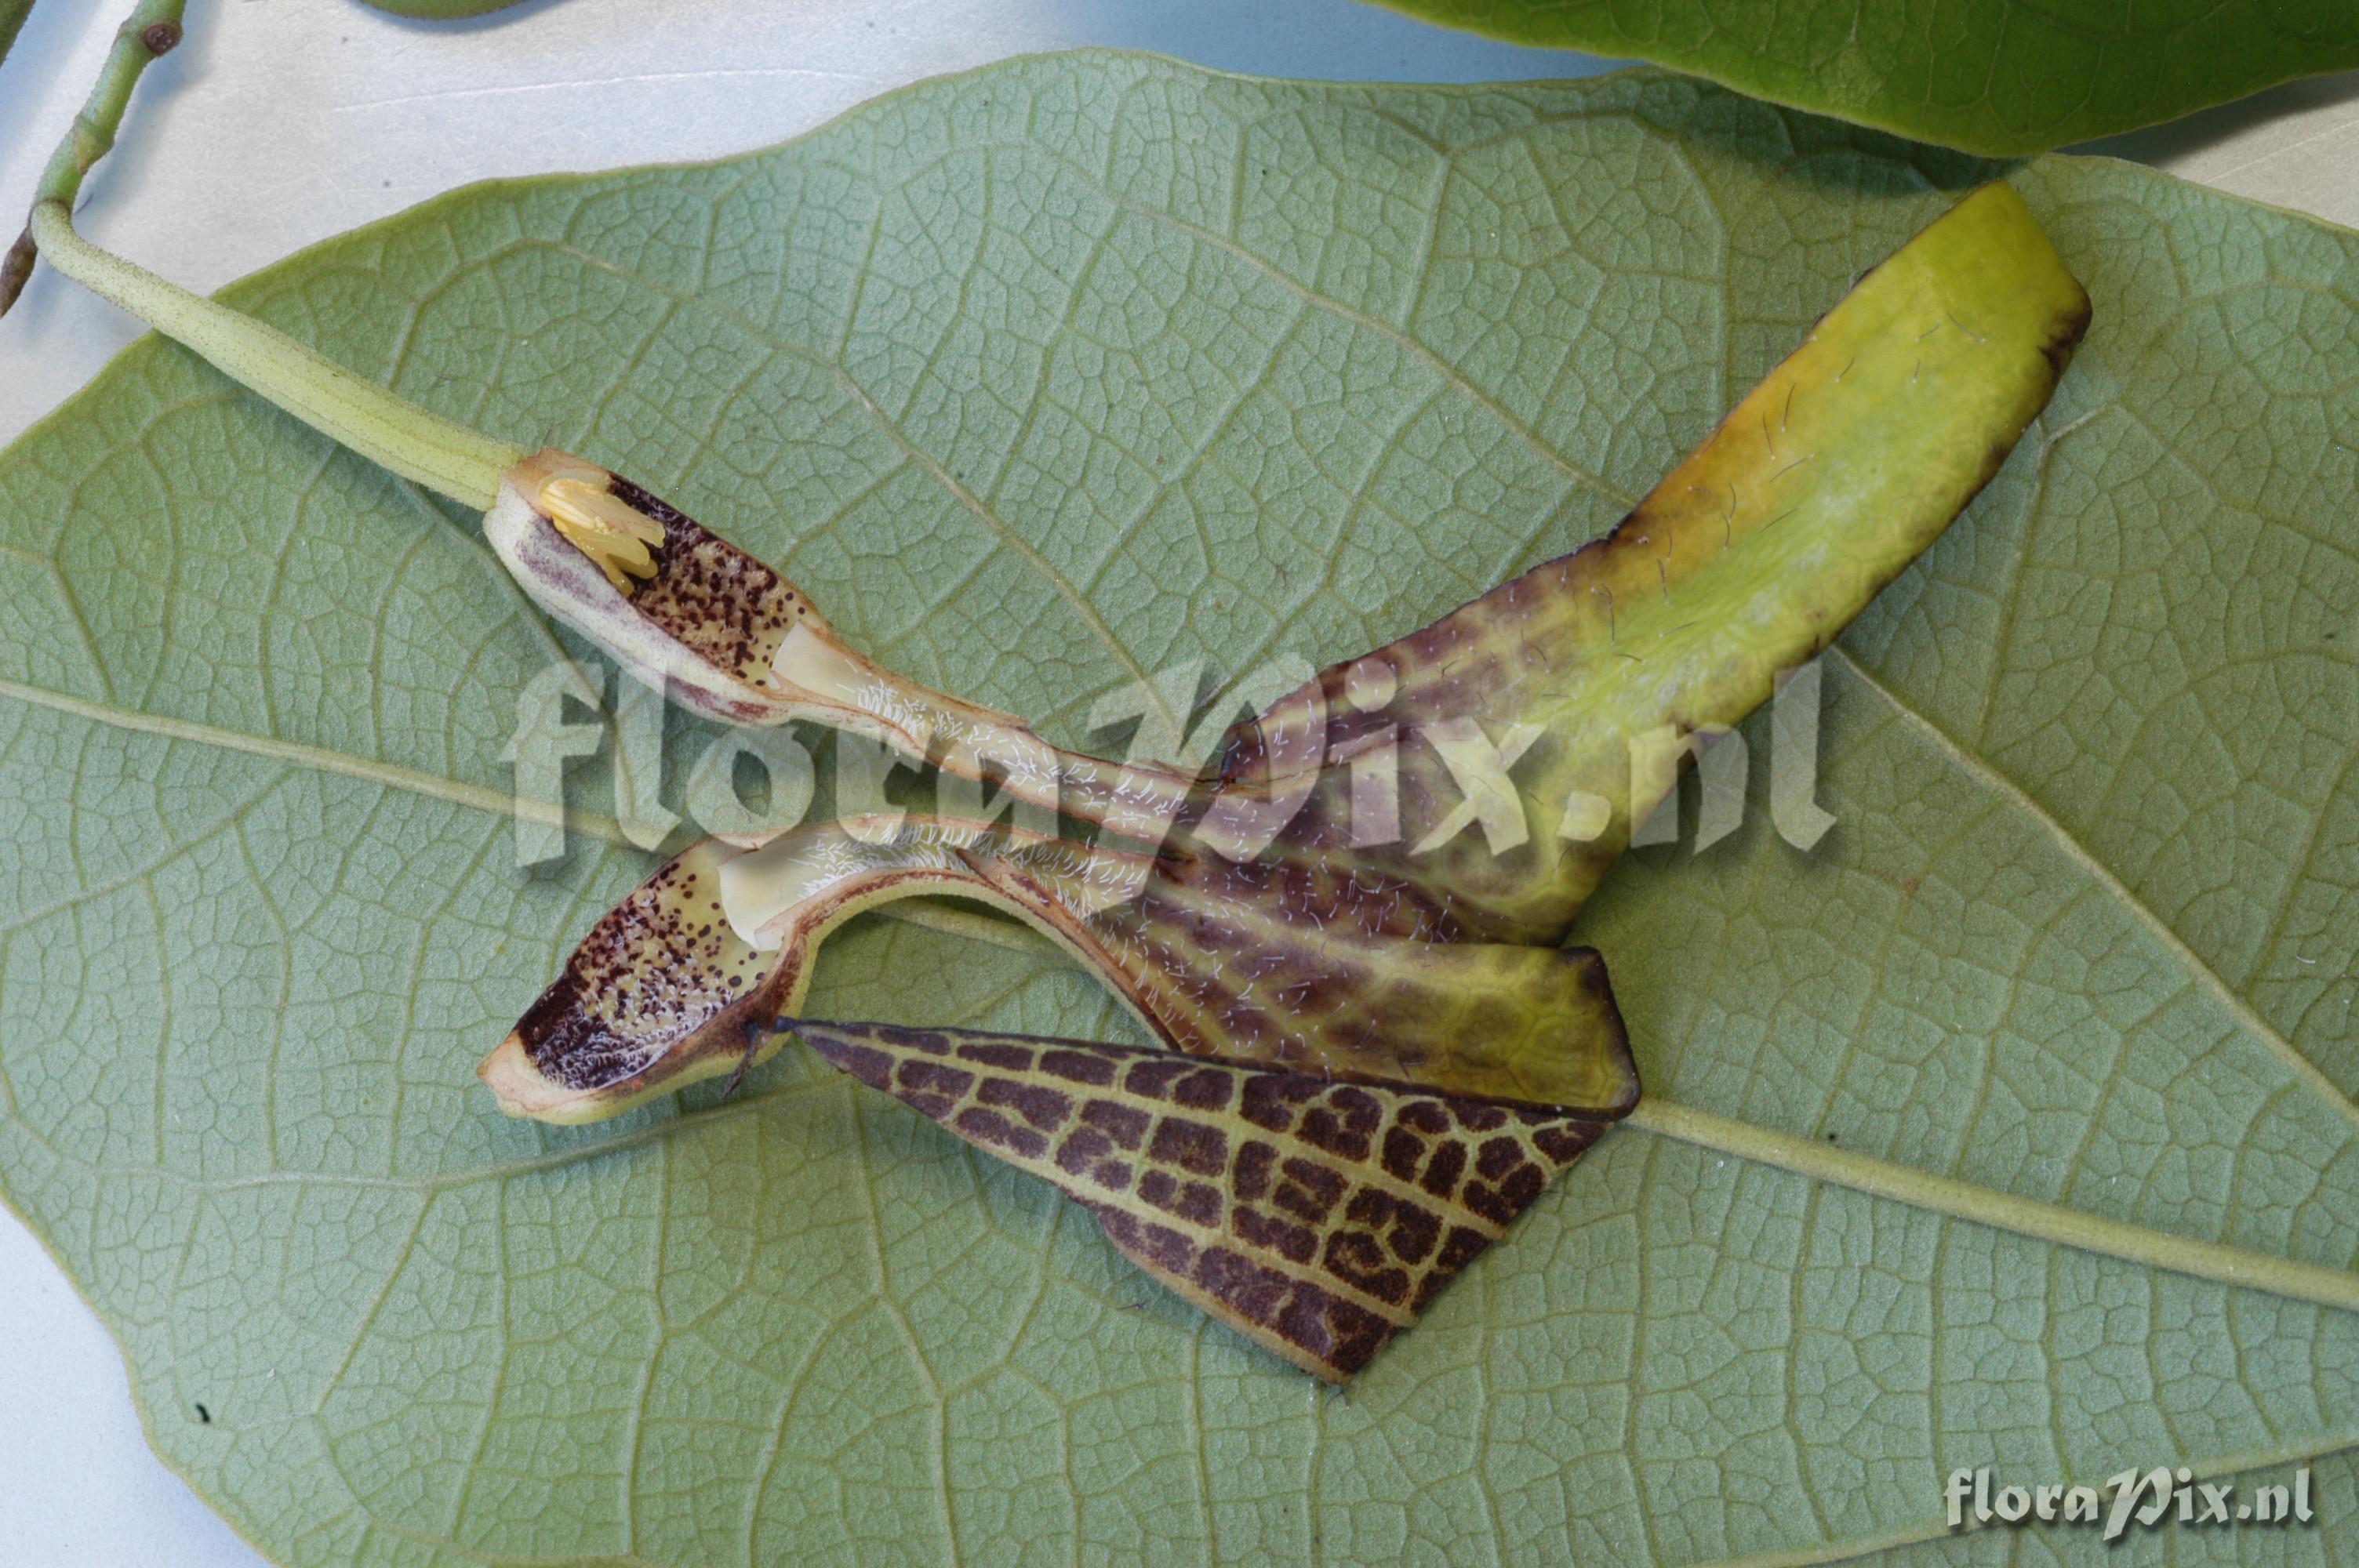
(1370, 1046)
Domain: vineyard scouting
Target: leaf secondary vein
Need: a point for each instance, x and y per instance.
(2210, 979)
(2324, 1447)
(393, 776)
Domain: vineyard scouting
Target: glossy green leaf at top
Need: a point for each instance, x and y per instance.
(1158, 366)
(440, 10)
(1989, 76)
(12, 19)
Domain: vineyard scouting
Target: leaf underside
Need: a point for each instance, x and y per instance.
(1154, 365)
(1989, 76)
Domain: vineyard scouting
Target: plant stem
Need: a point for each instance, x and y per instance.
(153, 31)
(387, 429)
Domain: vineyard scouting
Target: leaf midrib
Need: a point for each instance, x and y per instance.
(320, 759)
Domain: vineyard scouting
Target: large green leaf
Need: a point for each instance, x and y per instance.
(1992, 76)
(11, 18)
(1080, 367)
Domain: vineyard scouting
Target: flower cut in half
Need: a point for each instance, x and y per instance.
(1363, 909)
(1360, 912)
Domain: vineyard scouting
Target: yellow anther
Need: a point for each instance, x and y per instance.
(605, 527)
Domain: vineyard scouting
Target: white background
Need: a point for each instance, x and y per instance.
(279, 122)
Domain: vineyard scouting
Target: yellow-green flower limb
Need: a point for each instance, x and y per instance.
(1819, 487)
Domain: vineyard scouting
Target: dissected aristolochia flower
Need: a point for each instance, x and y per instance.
(1371, 1047)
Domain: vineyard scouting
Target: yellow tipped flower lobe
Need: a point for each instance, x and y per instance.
(616, 537)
